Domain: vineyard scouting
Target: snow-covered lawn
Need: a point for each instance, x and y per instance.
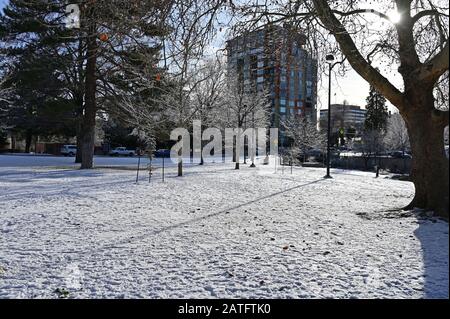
(216, 232)
(32, 161)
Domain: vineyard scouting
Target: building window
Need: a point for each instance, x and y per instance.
(292, 92)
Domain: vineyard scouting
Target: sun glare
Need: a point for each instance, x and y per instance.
(395, 16)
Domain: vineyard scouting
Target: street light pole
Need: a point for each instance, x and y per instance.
(253, 141)
(330, 58)
(245, 139)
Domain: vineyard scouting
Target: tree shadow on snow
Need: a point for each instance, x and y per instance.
(69, 184)
(204, 217)
(433, 236)
(228, 210)
(24, 176)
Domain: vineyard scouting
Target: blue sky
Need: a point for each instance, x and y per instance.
(3, 4)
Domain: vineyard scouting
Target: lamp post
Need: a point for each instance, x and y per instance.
(330, 59)
(245, 138)
(253, 141)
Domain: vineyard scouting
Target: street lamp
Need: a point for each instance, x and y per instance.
(330, 59)
(245, 137)
(253, 140)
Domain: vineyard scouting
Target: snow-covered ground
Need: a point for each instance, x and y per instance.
(216, 232)
(31, 161)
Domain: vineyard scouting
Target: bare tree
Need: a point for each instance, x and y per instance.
(192, 25)
(376, 38)
(208, 94)
(245, 107)
(421, 46)
(371, 145)
(396, 137)
(304, 136)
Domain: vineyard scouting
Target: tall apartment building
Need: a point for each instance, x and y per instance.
(274, 58)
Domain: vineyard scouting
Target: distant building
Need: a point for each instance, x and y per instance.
(275, 59)
(351, 118)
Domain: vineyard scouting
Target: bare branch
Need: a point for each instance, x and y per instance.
(355, 58)
(425, 13)
(432, 70)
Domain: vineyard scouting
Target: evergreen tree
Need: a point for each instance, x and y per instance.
(377, 113)
(375, 125)
(91, 56)
(38, 105)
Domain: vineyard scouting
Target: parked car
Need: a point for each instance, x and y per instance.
(162, 153)
(400, 154)
(315, 154)
(122, 151)
(69, 150)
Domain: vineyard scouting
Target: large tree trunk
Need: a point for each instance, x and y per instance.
(430, 171)
(79, 97)
(430, 166)
(90, 109)
(79, 130)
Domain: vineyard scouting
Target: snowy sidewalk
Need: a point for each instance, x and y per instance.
(216, 232)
